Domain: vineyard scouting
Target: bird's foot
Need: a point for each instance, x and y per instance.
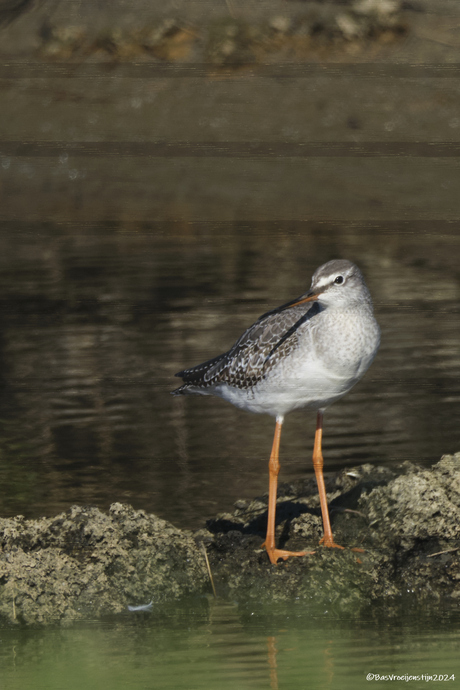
(330, 543)
(275, 554)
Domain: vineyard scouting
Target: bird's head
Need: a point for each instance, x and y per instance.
(336, 283)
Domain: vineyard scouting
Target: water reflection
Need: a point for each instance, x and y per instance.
(272, 665)
(220, 646)
(96, 319)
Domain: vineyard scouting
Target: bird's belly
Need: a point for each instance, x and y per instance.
(306, 385)
(320, 371)
(311, 385)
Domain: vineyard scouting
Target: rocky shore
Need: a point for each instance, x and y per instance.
(229, 33)
(234, 38)
(400, 529)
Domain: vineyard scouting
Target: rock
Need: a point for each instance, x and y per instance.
(422, 505)
(229, 42)
(61, 42)
(226, 41)
(280, 23)
(407, 525)
(85, 562)
(400, 528)
(169, 40)
(349, 26)
(379, 8)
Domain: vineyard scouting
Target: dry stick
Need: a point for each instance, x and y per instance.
(209, 570)
(348, 510)
(440, 553)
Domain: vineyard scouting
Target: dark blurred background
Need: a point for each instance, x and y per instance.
(168, 172)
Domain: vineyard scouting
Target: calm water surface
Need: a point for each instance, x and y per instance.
(218, 646)
(96, 319)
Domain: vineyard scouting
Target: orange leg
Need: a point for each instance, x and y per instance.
(274, 468)
(328, 539)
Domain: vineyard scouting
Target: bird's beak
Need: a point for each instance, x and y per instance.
(309, 297)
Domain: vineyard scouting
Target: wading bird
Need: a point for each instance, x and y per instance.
(306, 353)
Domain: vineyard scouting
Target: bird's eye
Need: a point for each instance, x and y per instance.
(338, 280)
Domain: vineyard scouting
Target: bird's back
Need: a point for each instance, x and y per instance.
(261, 347)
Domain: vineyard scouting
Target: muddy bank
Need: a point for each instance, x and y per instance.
(232, 39)
(407, 524)
(85, 563)
(400, 529)
(225, 34)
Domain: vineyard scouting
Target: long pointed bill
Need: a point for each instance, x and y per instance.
(311, 297)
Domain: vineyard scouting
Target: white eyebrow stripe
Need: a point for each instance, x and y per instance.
(324, 281)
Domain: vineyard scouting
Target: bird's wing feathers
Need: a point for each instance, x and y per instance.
(258, 349)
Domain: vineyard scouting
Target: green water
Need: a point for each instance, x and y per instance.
(218, 646)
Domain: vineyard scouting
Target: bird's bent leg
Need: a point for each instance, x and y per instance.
(328, 539)
(273, 469)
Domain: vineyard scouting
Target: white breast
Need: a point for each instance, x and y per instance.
(334, 351)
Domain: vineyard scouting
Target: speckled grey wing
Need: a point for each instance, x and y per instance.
(257, 351)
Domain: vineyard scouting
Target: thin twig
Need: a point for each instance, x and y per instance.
(339, 509)
(440, 553)
(209, 570)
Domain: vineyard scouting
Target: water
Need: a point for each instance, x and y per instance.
(97, 318)
(221, 647)
(118, 269)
